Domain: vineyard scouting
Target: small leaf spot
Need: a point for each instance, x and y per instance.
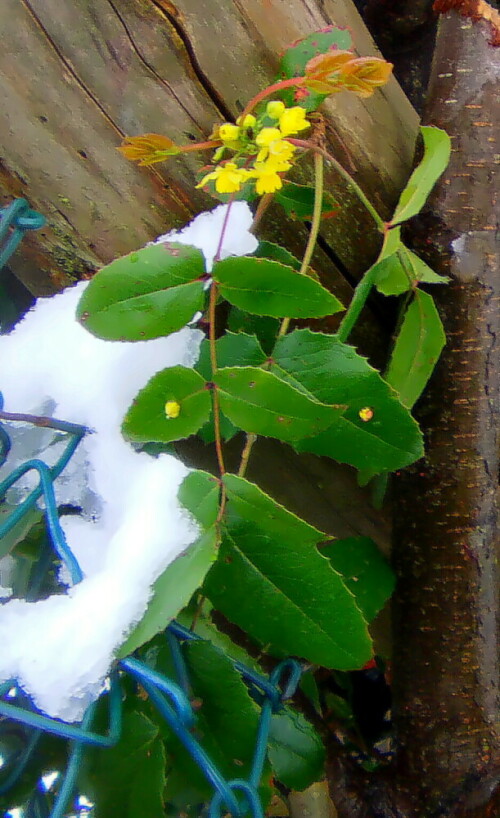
(172, 409)
(366, 413)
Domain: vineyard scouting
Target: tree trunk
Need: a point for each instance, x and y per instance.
(446, 682)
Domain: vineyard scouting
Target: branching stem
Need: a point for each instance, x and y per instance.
(306, 260)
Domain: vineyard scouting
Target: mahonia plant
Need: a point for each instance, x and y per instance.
(255, 561)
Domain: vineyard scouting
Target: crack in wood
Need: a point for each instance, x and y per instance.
(171, 14)
(148, 65)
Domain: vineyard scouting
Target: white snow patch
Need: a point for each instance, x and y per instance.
(60, 649)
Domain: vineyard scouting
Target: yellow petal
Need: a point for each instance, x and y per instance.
(266, 136)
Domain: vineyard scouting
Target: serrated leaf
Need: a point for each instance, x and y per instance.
(147, 420)
(295, 750)
(298, 201)
(265, 287)
(128, 779)
(437, 150)
(149, 293)
(294, 61)
(261, 403)
(232, 349)
(417, 349)
(199, 493)
(388, 439)
(173, 589)
(288, 597)
(365, 570)
(249, 503)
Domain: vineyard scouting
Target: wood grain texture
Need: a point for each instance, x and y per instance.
(77, 77)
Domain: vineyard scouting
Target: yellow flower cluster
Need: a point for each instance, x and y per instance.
(263, 140)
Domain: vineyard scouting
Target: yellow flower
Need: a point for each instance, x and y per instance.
(275, 108)
(267, 179)
(229, 132)
(172, 409)
(266, 136)
(228, 178)
(279, 152)
(248, 122)
(293, 120)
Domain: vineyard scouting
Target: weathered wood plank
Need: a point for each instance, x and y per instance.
(76, 77)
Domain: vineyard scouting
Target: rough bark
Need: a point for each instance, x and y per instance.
(76, 77)
(446, 683)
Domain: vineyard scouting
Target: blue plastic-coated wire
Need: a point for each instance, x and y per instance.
(31, 500)
(181, 706)
(178, 661)
(64, 729)
(46, 487)
(197, 753)
(15, 220)
(68, 784)
(253, 803)
(294, 670)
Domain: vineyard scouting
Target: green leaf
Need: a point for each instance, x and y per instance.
(208, 630)
(21, 529)
(274, 252)
(251, 504)
(298, 201)
(146, 419)
(149, 293)
(296, 57)
(309, 688)
(437, 149)
(233, 349)
(287, 596)
(334, 373)
(399, 269)
(267, 287)
(199, 493)
(365, 570)
(226, 725)
(173, 589)
(417, 349)
(263, 327)
(295, 750)
(261, 403)
(128, 779)
(421, 271)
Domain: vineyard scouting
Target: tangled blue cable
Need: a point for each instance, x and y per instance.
(239, 797)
